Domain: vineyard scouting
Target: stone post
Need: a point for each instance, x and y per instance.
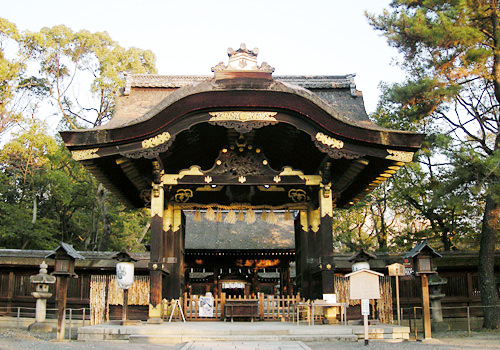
(435, 296)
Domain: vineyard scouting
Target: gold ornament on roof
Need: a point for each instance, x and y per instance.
(329, 141)
(85, 154)
(401, 156)
(156, 140)
(243, 116)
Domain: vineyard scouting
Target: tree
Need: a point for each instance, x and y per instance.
(66, 58)
(22, 161)
(10, 72)
(451, 51)
(45, 196)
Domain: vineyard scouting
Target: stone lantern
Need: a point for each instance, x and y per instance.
(42, 282)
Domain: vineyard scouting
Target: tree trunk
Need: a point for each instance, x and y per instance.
(487, 281)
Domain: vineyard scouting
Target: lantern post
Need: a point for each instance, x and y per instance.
(64, 256)
(397, 270)
(422, 255)
(124, 278)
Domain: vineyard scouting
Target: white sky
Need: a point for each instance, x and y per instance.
(314, 37)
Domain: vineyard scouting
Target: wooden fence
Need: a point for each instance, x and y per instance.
(271, 307)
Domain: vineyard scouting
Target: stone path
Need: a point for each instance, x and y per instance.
(246, 345)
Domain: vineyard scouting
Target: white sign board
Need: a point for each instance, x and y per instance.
(364, 284)
(206, 307)
(330, 298)
(365, 307)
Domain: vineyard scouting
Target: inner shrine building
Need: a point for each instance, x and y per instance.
(238, 144)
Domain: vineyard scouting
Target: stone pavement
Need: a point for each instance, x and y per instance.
(247, 345)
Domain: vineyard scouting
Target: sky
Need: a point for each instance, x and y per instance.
(188, 37)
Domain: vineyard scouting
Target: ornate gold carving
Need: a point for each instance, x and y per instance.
(157, 201)
(402, 156)
(208, 179)
(243, 116)
(288, 171)
(177, 220)
(333, 147)
(303, 221)
(314, 219)
(311, 180)
(277, 179)
(168, 215)
(156, 140)
(85, 154)
(183, 195)
(243, 121)
(297, 195)
(329, 141)
(242, 179)
(325, 201)
(172, 179)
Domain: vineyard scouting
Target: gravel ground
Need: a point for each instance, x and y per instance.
(11, 339)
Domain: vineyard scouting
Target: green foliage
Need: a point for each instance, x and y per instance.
(10, 73)
(65, 58)
(45, 196)
(451, 52)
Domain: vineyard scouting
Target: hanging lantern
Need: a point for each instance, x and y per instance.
(125, 274)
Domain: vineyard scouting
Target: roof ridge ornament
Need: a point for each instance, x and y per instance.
(242, 64)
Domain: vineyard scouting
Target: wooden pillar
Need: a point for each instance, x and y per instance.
(426, 306)
(304, 261)
(10, 291)
(314, 253)
(216, 281)
(62, 290)
(298, 253)
(182, 251)
(175, 255)
(157, 263)
(168, 224)
(325, 239)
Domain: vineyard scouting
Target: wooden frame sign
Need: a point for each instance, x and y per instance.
(364, 284)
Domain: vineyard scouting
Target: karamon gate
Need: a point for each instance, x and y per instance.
(240, 141)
